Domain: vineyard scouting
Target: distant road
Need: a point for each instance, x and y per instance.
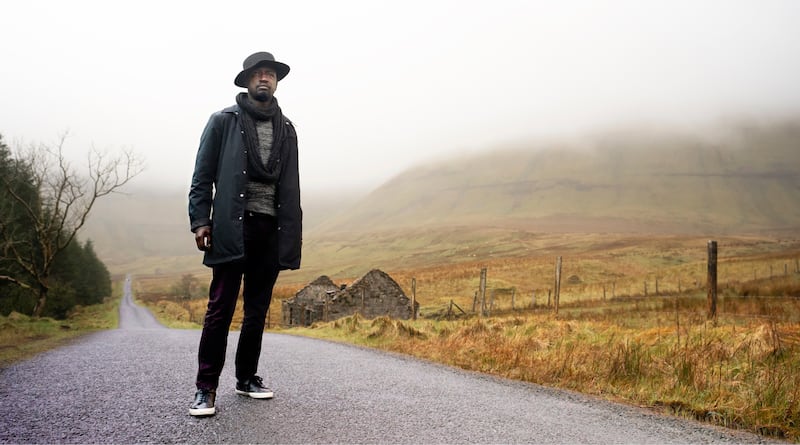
(132, 316)
(134, 385)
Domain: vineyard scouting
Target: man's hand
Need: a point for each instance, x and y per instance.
(202, 236)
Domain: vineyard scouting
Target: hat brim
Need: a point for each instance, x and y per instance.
(281, 69)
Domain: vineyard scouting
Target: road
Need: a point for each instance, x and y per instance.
(131, 316)
(134, 385)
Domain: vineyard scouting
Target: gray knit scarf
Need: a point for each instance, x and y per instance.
(261, 171)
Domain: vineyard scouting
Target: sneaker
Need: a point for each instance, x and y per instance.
(203, 404)
(253, 387)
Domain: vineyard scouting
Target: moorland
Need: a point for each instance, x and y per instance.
(630, 213)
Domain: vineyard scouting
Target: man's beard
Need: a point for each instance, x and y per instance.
(262, 96)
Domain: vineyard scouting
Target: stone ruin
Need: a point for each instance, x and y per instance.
(373, 295)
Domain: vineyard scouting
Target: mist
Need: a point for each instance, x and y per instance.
(376, 87)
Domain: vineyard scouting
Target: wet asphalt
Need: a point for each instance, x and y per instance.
(134, 385)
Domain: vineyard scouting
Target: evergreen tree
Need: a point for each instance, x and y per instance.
(79, 278)
(96, 279)
(65, 281)
(16, 236)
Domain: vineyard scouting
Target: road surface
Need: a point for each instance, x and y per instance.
(134, 385)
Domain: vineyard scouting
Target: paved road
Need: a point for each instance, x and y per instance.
(132, 316)
(134, 385)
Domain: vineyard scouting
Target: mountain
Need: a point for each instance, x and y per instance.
(743, 179)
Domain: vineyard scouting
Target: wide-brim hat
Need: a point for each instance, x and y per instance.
(256, 60)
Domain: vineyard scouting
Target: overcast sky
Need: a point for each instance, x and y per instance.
(376, 87)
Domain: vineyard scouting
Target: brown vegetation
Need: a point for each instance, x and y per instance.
(611, 337)
(739, 372)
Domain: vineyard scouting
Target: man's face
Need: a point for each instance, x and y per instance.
(263, 83)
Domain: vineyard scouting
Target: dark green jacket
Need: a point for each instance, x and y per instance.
(219, 183)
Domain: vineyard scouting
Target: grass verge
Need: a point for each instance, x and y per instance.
(22, 336)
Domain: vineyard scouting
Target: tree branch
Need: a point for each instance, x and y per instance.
(15, 281)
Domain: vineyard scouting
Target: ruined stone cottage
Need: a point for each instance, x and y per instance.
(375, 294)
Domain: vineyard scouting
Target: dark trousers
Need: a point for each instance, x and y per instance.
(260, 271)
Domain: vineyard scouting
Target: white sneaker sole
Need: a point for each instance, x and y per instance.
(202, 411)
(255, 395)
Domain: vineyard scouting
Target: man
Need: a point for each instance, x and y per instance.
(244, 210)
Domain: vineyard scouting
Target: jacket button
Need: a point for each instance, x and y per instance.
(240, 218)
(241, 195)
(279, 227)
(244, 172)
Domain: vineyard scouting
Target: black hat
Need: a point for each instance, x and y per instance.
(256, 60)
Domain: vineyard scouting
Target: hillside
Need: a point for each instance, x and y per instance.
(147, 231)
(746, 179)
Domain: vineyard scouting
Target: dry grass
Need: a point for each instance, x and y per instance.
(611, 337)
(153, 291)
(740, 372)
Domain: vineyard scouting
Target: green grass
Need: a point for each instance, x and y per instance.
(22, 336)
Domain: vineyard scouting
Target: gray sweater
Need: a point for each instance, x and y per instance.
(260, 196)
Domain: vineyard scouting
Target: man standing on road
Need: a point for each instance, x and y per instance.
(244, 210)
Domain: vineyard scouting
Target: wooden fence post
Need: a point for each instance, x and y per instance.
(557, 293)
(413, 298)
(712, 280)
(677, 321)
(513, 294)
(483, 291)
(656, 286)
(533, 299)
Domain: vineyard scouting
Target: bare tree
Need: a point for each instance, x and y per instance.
(186, 288)
(52, 221)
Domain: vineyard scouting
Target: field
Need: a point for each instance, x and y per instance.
(631, 324)
(597, 268)
(738, 372)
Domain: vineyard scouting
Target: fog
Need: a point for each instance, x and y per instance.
(376, 87)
